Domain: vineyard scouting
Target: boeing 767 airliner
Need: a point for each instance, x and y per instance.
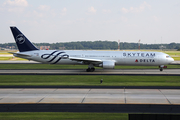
(104, 59)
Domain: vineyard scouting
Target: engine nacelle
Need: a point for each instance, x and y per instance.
(108, 64)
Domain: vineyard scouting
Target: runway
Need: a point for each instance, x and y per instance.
(91, 100)
(169, 72)
(90, 96)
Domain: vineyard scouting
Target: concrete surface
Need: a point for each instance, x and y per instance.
(90, 96)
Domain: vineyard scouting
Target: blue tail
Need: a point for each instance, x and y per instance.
(22, 42)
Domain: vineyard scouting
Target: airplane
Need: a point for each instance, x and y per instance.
(104, 59)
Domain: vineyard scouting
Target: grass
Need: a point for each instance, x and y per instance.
(4, 53)
(11, 58)
(62, 116)
(88, 80)
(6, 58)
(172, 52)
(176, 58)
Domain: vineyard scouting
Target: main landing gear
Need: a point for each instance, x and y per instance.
(90, 68)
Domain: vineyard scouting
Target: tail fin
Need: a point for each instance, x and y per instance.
(22, 42)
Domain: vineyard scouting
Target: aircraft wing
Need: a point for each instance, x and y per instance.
(19, 54)
(86, 60)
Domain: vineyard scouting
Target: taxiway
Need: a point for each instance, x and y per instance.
(173, 72)
(90, 96)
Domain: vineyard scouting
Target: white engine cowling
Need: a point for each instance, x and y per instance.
(108, 64)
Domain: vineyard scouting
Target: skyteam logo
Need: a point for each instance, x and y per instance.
(55, 57)
(20, 39)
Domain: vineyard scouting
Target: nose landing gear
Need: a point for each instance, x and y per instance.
(161, 67)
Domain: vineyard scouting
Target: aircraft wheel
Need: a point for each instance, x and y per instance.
(90, 70)
(161, 69)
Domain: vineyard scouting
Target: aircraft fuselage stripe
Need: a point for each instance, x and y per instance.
(49, 55)
(57, 55)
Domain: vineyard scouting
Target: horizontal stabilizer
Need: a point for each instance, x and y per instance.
(19, 54)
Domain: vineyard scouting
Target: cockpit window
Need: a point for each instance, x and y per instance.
(168, 56)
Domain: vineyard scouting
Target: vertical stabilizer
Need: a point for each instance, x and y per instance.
(22, 42)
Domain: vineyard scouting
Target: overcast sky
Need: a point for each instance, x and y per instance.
(89, 20)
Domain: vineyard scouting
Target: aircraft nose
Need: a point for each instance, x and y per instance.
(171, 60)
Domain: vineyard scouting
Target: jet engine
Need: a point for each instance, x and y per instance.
(108, 64)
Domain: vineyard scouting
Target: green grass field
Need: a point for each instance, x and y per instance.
(62, 116)
(4, 53)
(11, 58)
(5, 58)
(88, 80)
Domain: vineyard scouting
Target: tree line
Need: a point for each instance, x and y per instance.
(97, 45)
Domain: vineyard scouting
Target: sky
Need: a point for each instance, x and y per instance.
(52, 21)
